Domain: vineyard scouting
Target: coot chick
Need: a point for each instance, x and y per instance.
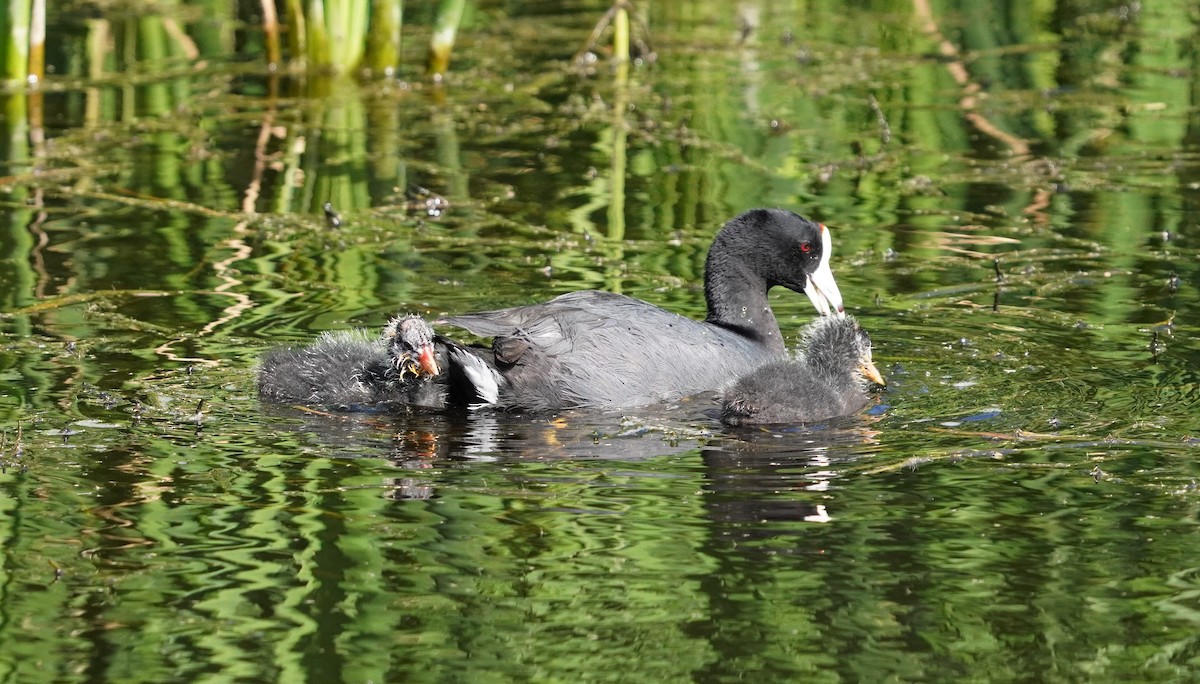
(599, 349)
(828, 379)
(356, 370)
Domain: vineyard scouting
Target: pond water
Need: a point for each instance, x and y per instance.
(1014, 195)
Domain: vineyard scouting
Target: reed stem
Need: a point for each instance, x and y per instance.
(621, 34)
(445, 31)
(384, 40)
(16, 36)
(271, 33)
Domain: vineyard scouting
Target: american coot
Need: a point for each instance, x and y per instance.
(353, 369)
(599, 349)
(829, 378)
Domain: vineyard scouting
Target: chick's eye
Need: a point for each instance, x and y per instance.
(806, 247)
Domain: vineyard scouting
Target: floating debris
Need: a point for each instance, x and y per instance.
(331, 216)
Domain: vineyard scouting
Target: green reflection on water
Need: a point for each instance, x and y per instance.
(1022, 504)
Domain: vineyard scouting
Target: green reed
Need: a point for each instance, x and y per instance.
(23, 35)
(342, 36)
(445, 30)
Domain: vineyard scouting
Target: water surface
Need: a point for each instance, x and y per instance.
(1013, 202)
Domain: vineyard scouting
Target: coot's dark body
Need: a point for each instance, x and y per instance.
(598, 349)
(828, 379)
(590, 348)
(602, 349)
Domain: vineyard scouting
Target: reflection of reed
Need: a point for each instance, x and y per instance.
(239, 251)
(969, 101)
(780, 476)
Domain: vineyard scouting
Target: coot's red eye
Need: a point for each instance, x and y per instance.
(806, 247)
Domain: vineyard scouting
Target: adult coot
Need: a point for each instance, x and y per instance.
(829, 378)
(599, 349)
(590, 348)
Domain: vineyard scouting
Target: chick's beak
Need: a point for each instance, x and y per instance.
(822, 289)
(872, 373)
(426, 360)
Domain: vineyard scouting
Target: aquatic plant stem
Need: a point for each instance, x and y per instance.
(621, 35)
(619, 17)
(445, 29)
(271, 33)
(384, 41)
(36, 67)
(349, 34)
(297, 34)
(16, 37)
(317, 36)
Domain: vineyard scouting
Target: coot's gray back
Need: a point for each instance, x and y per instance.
(594, 348)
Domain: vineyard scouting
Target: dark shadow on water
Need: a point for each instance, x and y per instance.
(417, 433)
(762, 475)
(489, 435)
(746, 467)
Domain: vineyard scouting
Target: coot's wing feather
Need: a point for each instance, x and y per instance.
(541, 324)
(599, 348)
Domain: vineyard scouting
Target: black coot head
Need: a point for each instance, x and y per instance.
(782, 248)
